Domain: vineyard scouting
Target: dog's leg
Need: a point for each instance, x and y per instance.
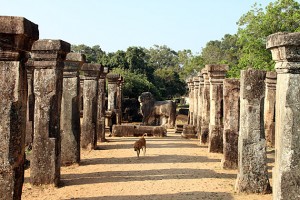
(144, 150)
(138, 153)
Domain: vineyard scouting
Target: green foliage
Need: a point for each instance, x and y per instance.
(93, 54)
(168, 83)
(135, 84)
(257, 24)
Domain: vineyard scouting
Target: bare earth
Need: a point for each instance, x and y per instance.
(173, 168)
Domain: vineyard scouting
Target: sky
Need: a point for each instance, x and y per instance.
(119, 24)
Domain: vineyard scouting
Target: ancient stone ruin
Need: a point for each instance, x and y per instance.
(17, 36)
(252, 163)
(231, 98)
(205, 108)
(70, 110)
(90, 104)
(48, 57)
(269, 108)
(216, 74)
(157, 113)
(286, 173)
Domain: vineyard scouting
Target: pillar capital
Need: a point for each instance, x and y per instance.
(196, 82)
(217, 73)
(271, 80)
(285, 49)
(73, 64)
(91, 71)
(17, 36)
(49, 53)
(112, 78)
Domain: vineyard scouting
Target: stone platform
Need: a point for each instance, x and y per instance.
(129, 130)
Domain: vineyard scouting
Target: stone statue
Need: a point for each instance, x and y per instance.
(161, 113)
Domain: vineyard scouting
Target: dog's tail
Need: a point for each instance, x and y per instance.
(145, 134)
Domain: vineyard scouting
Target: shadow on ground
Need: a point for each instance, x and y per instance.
(141, 175)
(148, 159)
(177, 196)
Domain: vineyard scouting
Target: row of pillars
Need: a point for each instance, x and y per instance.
(41, 96)
(236, 117)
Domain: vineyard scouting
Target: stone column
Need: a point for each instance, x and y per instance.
(252, 163)
(191, 101)
(196, 91)
(285, 48)
(48, 56)
(216, 74)
(205, 108)
(16, 37)
(30, 105)
(70, 110)
(269, 109)
(200, 99)
(112, 87)
(90, 105)
(101, 105)
(231, 99)
(119, 100)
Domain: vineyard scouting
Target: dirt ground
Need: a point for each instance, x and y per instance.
(173, 168)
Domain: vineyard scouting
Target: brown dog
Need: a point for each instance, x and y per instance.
(140, 144)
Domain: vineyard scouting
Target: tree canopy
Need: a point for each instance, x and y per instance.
(164, 72)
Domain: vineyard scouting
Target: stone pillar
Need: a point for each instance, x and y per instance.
(231, 99)
(48, 56)
(252, 164)
(269, 109)
(112, 88)
(205, 108)
(70, 110)
(16, 37)
(119, 100)
(101, 105)
(81, 77)
(285, 48)
(200, 99)
(90, 105)
(191, 101)
(216, 74)
(196, 93)
(30, 104)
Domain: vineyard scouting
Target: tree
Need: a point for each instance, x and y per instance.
(257, 24)
(135, 84)
(93, 54)
(168, 83)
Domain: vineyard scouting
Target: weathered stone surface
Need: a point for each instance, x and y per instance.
(195, 99)
(90, 105)
(252, 165)
(231, 98)
(48, 56)
(16, 37)
(189, 131)
(200, 99)
(112, 101)
(269, 108)
(286, 173)
(100, 126)
(157, 113)
(30, 104)
(190, 84)
(128, 130)
(216, 74)
(119, 100)
(70, 111)
(205, 108)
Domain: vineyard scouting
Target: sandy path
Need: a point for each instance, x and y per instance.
(173, 168)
